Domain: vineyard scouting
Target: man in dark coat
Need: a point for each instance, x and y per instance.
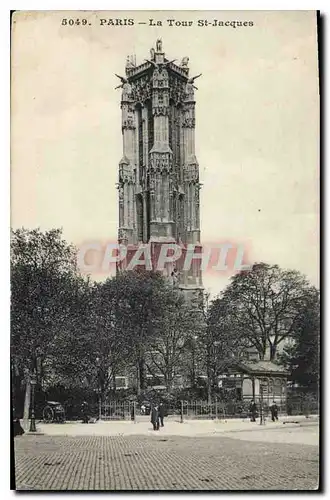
(133, 412)
(84, 412)
(155, 418)
(161, 411)
(18, 429)
(253, 411)
(274, 411)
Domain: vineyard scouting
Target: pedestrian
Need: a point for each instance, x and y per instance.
(155, 418)
(274, 411)
(253, 410)
(84, 412)
(161, 411)
(133, 412)
(18, 429)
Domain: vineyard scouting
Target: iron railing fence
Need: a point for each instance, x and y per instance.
(302, 407)
(185, 410)
(233, 409)
(117, 410)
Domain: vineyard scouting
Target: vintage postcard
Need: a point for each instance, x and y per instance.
(165, 318)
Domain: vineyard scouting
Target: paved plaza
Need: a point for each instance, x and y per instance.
(236, 457)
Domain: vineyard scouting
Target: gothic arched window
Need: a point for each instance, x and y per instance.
(140, 141)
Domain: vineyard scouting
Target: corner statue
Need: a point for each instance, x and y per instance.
(184, 62)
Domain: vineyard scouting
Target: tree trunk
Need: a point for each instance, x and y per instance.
(209, 391)
(272, 352)
(193, 368)
(142, 374)
(113, 382)
(209, 384)
(169, 380)
(138, 385)
(26, 415)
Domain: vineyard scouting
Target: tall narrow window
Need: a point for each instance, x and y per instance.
(171, 121)
(148, 215)
(178, 140)
(139, 214)
(150, 126)
(175, 135)
(180, 216)
(140, 138)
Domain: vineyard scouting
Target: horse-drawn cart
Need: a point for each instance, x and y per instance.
(53, 412)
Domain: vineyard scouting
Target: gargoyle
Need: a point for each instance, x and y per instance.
(191, 80)
(123, 81)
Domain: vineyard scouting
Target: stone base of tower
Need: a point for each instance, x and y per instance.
(159, 255)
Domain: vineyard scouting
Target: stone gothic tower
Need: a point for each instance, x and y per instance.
(159, 174)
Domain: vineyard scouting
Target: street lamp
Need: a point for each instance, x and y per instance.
(264, 382)
(98, 364)
(193, 345)
(33, 384)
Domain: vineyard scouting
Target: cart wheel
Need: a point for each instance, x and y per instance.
(61, 418)
(48, 414)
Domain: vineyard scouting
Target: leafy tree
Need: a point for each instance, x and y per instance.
(110, 344)
(302, 356)
(73, 349)
(43, 270)
(175, 326)
(264, 306)
(138, 309)
(220, 346)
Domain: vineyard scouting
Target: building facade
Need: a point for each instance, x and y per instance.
(159, 187)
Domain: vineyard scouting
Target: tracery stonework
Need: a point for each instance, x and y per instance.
(159, 184)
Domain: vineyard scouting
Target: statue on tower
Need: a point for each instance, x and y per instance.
(159, 45)
(130, 62)
(184, 62)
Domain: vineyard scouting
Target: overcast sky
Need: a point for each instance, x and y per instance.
(257, 127)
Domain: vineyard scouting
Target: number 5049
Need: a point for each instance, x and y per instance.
(74, 22)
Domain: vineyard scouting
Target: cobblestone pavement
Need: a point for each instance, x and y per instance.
(162, 463)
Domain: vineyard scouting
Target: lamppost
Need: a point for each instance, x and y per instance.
(98, 364)
(33, 384)
(263, 384)
(194, 345)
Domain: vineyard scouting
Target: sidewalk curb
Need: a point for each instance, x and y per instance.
(38, 433)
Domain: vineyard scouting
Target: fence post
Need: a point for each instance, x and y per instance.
(216, 408)
(100, 408)
(134, 410)
(181, 413)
